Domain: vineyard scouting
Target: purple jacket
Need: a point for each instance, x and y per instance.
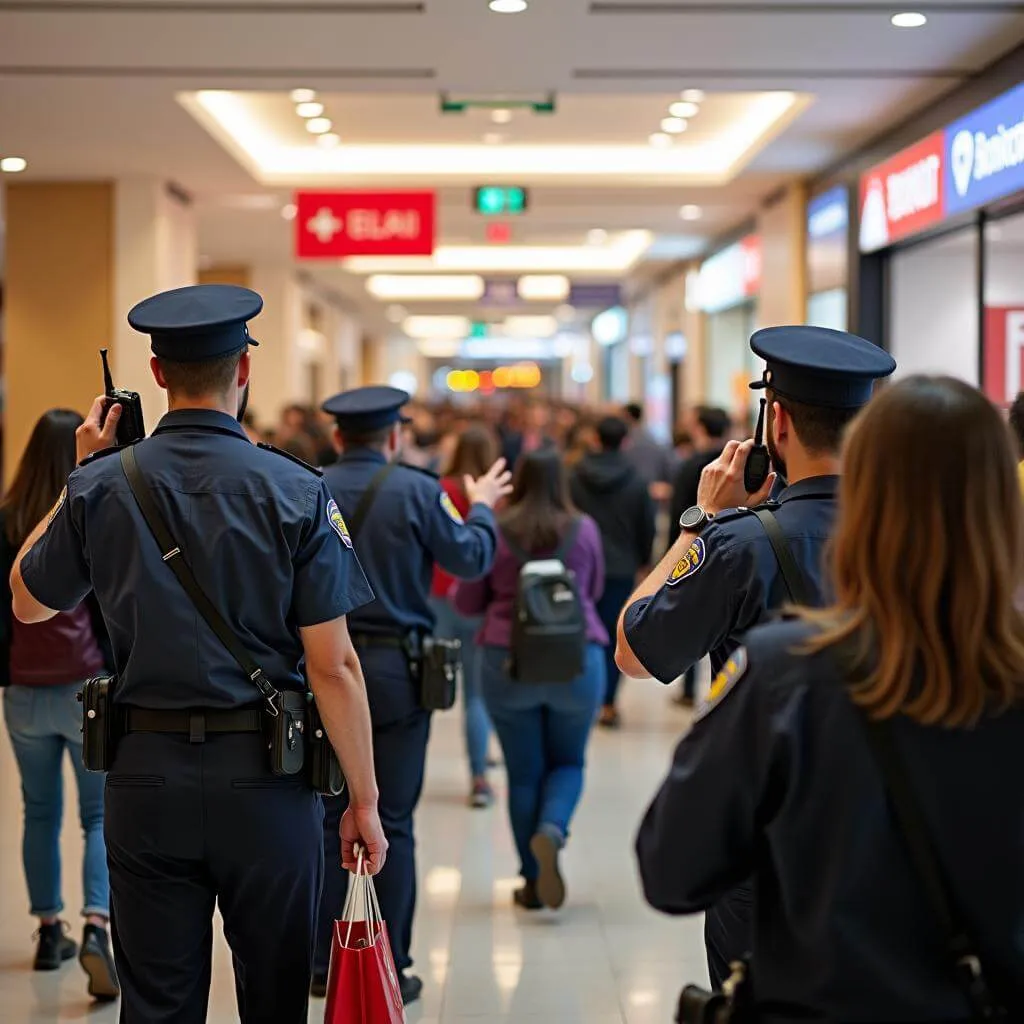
(495, 594)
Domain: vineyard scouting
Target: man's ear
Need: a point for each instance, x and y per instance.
(781, 423)
(336, 440)
(395, 440)
(158, 372)
(244, 370)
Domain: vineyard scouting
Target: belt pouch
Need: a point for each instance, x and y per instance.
(440, 673)
(99, 732)
(285, 733)
(325, 774)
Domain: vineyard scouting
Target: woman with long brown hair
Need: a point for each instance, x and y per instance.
(43, 667)
(907, 692)
(475, 450)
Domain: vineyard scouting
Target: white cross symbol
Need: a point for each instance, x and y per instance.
(324, 225)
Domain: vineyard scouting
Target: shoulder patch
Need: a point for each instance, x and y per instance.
(56, 508)
(293, 458)
(90, 459)
(732, 671)
(449, 506)
(689, 563)
(338, 524)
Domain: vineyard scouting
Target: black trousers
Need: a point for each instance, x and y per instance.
(194, 826)
(728, 933)
(400, 733)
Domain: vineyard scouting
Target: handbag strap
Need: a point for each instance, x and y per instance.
(792, 575)
(369, 497)
(961, 947)
(172, 555)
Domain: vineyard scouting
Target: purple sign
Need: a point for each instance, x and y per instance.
(594, 296)
(500, 292)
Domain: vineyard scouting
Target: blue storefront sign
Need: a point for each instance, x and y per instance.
(828, 214)
(984, 153)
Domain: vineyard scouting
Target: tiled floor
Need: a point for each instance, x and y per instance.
(606, 959)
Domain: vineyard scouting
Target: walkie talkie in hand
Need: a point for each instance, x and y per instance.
(130, 427)
(759, 462)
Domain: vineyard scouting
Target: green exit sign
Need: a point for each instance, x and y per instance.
(500, 200)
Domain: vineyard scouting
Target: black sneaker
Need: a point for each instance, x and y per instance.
(98, 962)
(550, 885)
(318, 988)
(411, 988)
(526, 898)
(54, 948)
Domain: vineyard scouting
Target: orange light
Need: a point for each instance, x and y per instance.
(502, 377)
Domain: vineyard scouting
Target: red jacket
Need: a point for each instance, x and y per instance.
(453, 488)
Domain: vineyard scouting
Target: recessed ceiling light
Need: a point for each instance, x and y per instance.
(303, 95)
(690, 212)
(692, 95)
(289, 210)
(508, 6)
(494, 138)
(501, 116)
(309, 109)
(660, 140)
(909, 19)
(13, 164)
(597, 236)
(318, 125)
(673, 125)
(329, 140)
(425, 287)
(543, 287)
(684, 108)
(436, 326)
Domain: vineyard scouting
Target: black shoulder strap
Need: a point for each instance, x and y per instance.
(569, 539)
(792, 575)
(172, 555)
(963, 952)
(369, 497)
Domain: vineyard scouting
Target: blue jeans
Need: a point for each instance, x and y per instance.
(476, 725)
(543, 729)
(43, 723)
(613, 599)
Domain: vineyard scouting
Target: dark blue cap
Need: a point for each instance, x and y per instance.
(200, 322)
(367, 409)
(819, 366)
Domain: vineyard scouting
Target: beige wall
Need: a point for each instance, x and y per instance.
(226, 273)
(59, 282)
(783, 230)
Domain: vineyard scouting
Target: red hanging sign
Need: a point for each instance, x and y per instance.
(338, 224)
(1003, 348)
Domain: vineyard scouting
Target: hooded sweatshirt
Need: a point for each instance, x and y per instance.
(609, 489)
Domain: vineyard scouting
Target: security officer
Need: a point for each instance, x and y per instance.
(194, 816)
(402, 523)
(722, 575)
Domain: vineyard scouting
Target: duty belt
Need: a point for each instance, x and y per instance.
(193, 723)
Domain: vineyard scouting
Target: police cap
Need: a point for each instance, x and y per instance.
(820, 366)
(199, 322)
(367, 409)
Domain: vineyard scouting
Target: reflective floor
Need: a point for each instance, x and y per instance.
(605, 959)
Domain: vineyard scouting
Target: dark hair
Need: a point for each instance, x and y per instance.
(819, 429)
(714, 420)
(206, 377)
(635, 411)
(611, 432)
(926, 561)
(366, 438)
(475, 452)
(539, 508)
(42, 473)
(302, 446)
(1017, 421)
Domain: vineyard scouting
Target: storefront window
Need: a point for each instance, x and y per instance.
(731, 364)
(828, 218)
(1004, 308)
(933, 326)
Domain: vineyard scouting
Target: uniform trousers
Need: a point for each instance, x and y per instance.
(728, 932)
(400, 733)
(191, 826)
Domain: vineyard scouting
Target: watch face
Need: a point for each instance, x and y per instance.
(693, 518)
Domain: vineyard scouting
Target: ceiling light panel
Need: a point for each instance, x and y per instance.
(303, 95)
(684, 109)
(309, 109)
(440, 287)
(543, 287)
(439, 327)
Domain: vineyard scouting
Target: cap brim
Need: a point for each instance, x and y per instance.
(253, 341)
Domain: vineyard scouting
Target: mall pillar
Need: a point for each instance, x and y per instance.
(782, 226)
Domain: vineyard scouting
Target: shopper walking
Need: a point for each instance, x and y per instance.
(543, 727)
(43, 667)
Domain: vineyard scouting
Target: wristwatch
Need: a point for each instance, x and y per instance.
(694, 519)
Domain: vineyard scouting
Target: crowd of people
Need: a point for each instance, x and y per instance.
(845, 808)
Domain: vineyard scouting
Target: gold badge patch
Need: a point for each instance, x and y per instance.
(689, 563)
(731, 673)
(56, 508)
(449, 506)
(338, 523)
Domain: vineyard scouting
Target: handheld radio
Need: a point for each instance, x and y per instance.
(130, 427)
(759, 462)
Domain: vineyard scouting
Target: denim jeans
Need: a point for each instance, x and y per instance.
(543, 729)
(43, 723)
(613, 599)
(477, 726)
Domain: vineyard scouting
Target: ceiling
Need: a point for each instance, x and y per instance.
(106, 88)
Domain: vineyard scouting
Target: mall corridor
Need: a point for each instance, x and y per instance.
(606, 959)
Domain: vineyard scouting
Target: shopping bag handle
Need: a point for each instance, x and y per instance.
(362, 896)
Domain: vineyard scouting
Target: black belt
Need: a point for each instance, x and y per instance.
(195, 724)
(380, 640)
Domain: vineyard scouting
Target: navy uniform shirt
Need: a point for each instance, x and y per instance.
(258, 531)
(776, 780)
(729, 580)
(411, 525)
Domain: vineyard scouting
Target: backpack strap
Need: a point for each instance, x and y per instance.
(369, 497)
(563, 549)
(792, 575)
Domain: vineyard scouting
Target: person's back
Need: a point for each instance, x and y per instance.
(652, 459)
(710, 428)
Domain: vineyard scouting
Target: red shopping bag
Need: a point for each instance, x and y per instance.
(362, 986)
